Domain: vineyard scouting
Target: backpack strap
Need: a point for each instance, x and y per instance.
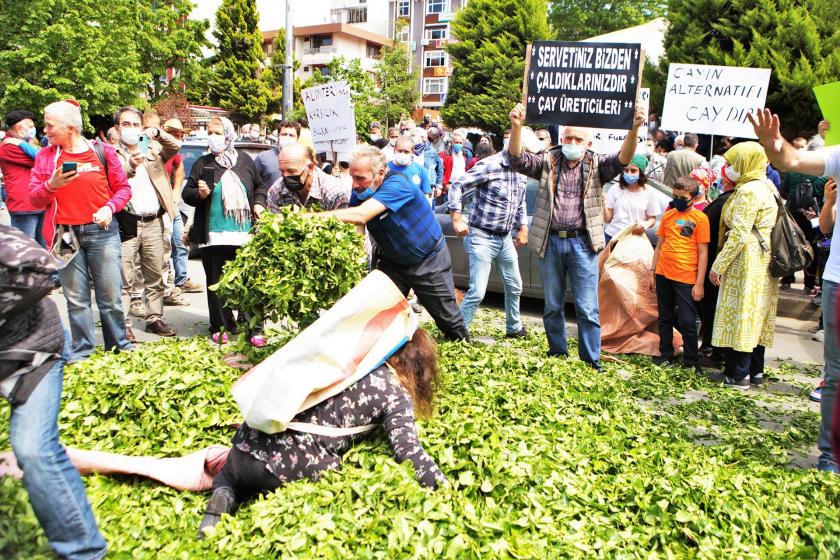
(99, 150)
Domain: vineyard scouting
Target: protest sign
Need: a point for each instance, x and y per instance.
(609, 140)
(330, 114)
(582, 84)
(828, 97)
(713, 99)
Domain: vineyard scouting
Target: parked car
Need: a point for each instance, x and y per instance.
(529, 265)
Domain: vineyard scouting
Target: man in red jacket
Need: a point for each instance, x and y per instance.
(17, 156)
(82, 184)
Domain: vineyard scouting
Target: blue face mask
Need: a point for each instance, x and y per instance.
(630, 179)
(681, 204)
(456, 148)
(572, 152)
(365, 194)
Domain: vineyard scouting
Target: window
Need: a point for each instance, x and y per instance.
(435, 33)
(321, 41)
(403, 8)
(356, 15)
(435, 58)
(434, 86)
(437, 6)
(372, 50)
(403, 34)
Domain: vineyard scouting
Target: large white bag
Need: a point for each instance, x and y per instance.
(349, 340)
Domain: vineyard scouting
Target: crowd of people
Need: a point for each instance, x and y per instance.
(108, 212)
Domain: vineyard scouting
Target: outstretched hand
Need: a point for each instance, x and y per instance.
(767, 127)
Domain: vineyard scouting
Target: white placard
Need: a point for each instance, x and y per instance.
(609, 140)
(713, 99)
(330, 113)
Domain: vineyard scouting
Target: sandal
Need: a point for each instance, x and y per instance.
(220, 338)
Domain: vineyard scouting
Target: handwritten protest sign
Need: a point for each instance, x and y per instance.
(609, 140)
(581, 84)
(713, 99)
(330, 114)
(828, 97)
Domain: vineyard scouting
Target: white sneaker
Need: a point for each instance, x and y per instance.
(819, 336)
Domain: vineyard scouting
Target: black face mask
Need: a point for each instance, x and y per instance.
(681, 204)
(294, 183)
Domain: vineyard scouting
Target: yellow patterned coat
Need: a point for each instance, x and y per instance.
(746, 308)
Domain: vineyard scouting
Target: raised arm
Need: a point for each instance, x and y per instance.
(779, 151)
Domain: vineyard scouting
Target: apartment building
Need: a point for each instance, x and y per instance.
(424, 26)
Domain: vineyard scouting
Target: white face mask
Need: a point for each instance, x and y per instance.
(130, 136)
(403, 159)
(730, 173)
(216, 143)
(30, 134)
(572, 152)
(392, 142)
(285, 140)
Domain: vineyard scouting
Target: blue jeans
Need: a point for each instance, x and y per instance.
(483, 249)
(55, 488)
(180, 253)
(99, 253)
(831, 323)
(575, 258)
(30, 224)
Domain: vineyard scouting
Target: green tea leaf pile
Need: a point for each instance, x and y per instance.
(545, 459)
(293, 267)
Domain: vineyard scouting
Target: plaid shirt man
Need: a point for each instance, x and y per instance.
(499, 205)
(326, 191)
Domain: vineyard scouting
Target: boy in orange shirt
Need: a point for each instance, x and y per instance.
(679, 268)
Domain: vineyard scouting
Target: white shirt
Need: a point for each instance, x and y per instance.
(629, 208)
(459, 167)
(832, 169)
(144, 200)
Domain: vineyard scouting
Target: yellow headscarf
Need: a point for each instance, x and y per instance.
(748, 159)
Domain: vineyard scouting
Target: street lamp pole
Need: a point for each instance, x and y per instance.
(288, 68)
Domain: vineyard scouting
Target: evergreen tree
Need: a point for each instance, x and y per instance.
(573, 20)
(397, 84)
(273, 75)
(57, 49)
(236, 85)
(799, 40)
(168, 39)
(489, 60)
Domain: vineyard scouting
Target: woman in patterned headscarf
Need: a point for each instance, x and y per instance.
(706, 177)
(228, 196)
(746, 312)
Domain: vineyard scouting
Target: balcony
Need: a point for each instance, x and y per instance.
(320, 50)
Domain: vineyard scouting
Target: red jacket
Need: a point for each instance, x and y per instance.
(16, 167)
(447, 166)
(41, 194)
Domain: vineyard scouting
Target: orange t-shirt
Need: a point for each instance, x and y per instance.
(681, 233)
(79, 200)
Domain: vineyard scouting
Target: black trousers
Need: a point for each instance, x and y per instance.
(675, 302)
(214, 258)
(245, 475)
(708, 307)
(739, 365)
(432, 282)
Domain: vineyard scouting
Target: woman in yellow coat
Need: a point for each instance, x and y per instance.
(746, 310)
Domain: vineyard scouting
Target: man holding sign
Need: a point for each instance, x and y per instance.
(567, 229)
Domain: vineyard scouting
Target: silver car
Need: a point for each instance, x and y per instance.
(529, 264)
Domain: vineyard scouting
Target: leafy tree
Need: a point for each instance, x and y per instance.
(236, 85)
(573, 20)
(397, 83)
(489, 60)
(362, 92)
(57, 49)
(799, 40)
(195, 81)
(167, 38)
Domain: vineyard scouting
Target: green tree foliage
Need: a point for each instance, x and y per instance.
(167, 38)
(489, 60)
(57, 49)
(197, 79)
(273, 75)
(799, 40)
(573, 20)
(362, 92)
(398, 85)
(236, 85)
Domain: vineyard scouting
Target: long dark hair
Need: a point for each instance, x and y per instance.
(416, 365)
(484, 150)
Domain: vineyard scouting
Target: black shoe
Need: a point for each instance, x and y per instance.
(710, 362)
(739, 384)
(560, 355)
(220, 503)
(663, 360)
(757, 379)
(521, 333)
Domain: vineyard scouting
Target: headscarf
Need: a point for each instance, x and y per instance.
(640, 161)
(234, 195)
(748, 159)
(705, 176)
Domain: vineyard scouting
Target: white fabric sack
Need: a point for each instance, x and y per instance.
(349, 340)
